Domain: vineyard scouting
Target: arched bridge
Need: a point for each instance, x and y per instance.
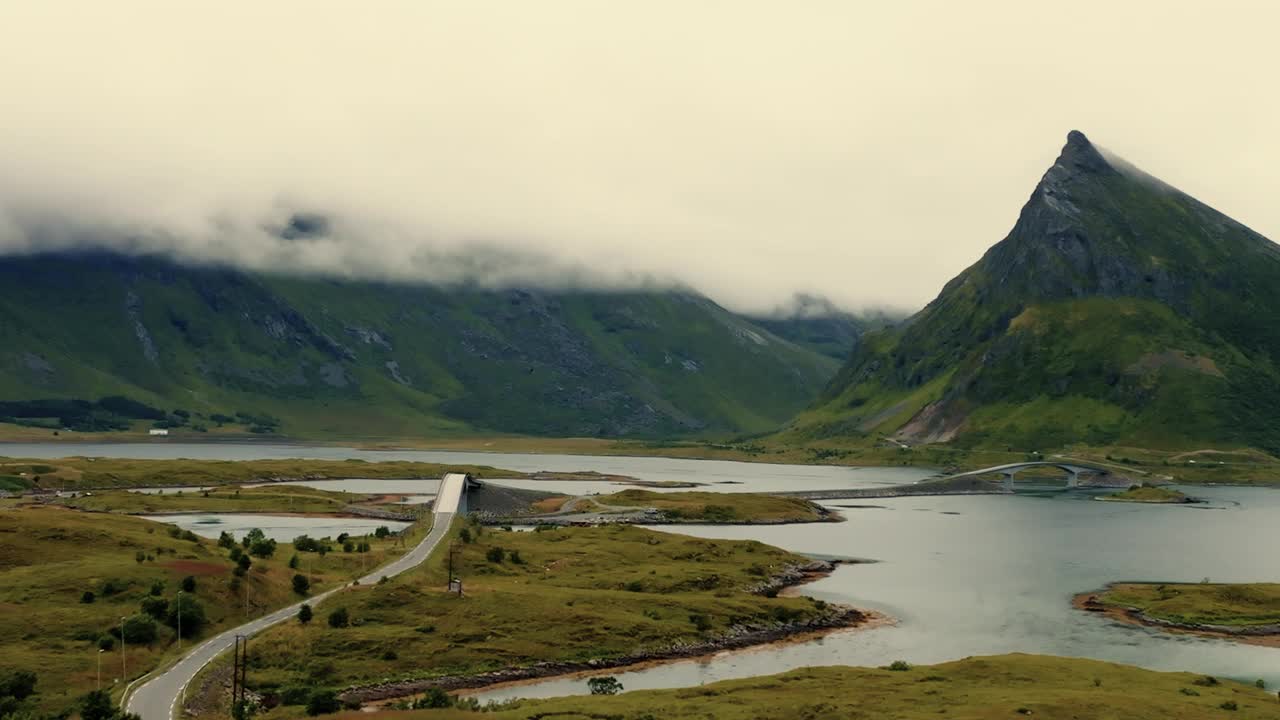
(1073, 469)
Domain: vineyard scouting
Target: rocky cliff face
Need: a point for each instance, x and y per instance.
(1056, 334)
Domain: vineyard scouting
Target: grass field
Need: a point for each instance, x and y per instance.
(50, 557)
(983, 688)
(719, 507)
(78, 473)
(1200, 603)
(1147, 494)
(232, 499)
(567, 595)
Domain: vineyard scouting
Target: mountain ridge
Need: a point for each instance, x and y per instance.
(1081, 325)
(325, 356)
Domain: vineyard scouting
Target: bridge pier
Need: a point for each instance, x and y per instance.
(1074, 480)
(1008, 481)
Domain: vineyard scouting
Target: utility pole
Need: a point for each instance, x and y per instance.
(240, 660)
(124, 667)
(100, 651)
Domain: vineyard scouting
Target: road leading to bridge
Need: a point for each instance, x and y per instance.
(157, 698)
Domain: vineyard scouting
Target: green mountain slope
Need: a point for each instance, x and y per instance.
(1117, 310)
(316, 357)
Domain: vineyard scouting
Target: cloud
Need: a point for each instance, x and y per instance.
(747, 149)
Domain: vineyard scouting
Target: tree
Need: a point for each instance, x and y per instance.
(139, 629)
(339, 618)
(433, 698)
(155, 607)
(236, 553)
(193, 617)
(157, 588)
(607, 685)
(252, 536)
(301, 584)
(465, 535)
(348, 546)
(293, 562)
(305, 543)
(188, 584)
(97, 705)
(18, 684)
(244, 563)
(263, 548)
(321, 702)
(304, 614)
(381, 532)
(495, 554)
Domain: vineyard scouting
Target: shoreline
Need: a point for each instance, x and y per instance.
(1088, 602)
(842, 618)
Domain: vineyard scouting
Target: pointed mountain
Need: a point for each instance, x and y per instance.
(1117, 310)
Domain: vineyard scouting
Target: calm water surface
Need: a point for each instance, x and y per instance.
(962, 575)
(281, 528)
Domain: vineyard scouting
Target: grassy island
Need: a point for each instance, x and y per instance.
(1248, 609)
(1005, 686)
(1148, 494)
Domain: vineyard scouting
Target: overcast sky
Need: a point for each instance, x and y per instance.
(866, 151)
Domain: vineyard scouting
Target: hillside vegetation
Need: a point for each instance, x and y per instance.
(1118, 311)
(98, 341)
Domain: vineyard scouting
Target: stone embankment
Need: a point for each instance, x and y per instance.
(740, 636)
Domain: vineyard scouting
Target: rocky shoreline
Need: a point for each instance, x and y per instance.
(834, 617)
(1253, 634)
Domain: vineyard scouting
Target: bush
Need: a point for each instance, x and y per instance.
(515, 558)
(465, 535)
(106, 642)
(139, 629)
(157, 588)
(433, 698)
(18, 685)
(190, 536)
(700, 622)
(899, 666)
(301, 584)
(139, 556)
(188, 584)
(88, 597)
(339, 618)
(304, 543)
(495, 554)
(382, 531)
(236, 553)
(348, 546)
(607, 685)
(263, 548)
(323, 702)
(193, 617)
(1229, 705)
(244, 563)
(295, 695)
(304, 614)
(97, 705)
(293, 562)
(155, 606)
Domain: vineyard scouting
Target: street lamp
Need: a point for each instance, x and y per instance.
(124, 667)
(100, 651)
(179, 613)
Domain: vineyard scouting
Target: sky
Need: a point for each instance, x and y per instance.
(867, 152)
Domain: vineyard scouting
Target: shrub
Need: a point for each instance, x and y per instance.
(382, 531)
(139, 556)
(348, 546)
(1229, 705)
(899, 666)
(304, 615)
(339, 618)
(244, 563)
(304, 543)
(97, 705)
(701, 622)
(389, 654)
(1206, 681)
(295, 695)
(157, 588)
(155, 606)
(236, 553)
(263, 548)
(190, 536)
(139, 629)
(87, 597)
(433, 698)
(18, 685)
(106, 642)
(301, 584)
(495, 554)
(293, 562)
(465, 535)
(323, 702)
(607, 685)
(188, 584)
(193, 617)
(515, 558)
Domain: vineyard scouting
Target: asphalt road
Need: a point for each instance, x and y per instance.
(157, 698)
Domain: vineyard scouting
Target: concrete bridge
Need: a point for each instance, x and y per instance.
(1073, 469)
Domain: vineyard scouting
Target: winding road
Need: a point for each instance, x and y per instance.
(157, 698)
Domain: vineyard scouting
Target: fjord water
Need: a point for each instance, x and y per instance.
(963, 575)
(983, 575)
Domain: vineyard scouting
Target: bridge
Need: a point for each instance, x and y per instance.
(1073, 469)
(158, 696)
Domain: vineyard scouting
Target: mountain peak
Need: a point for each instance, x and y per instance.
(1081, 155)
